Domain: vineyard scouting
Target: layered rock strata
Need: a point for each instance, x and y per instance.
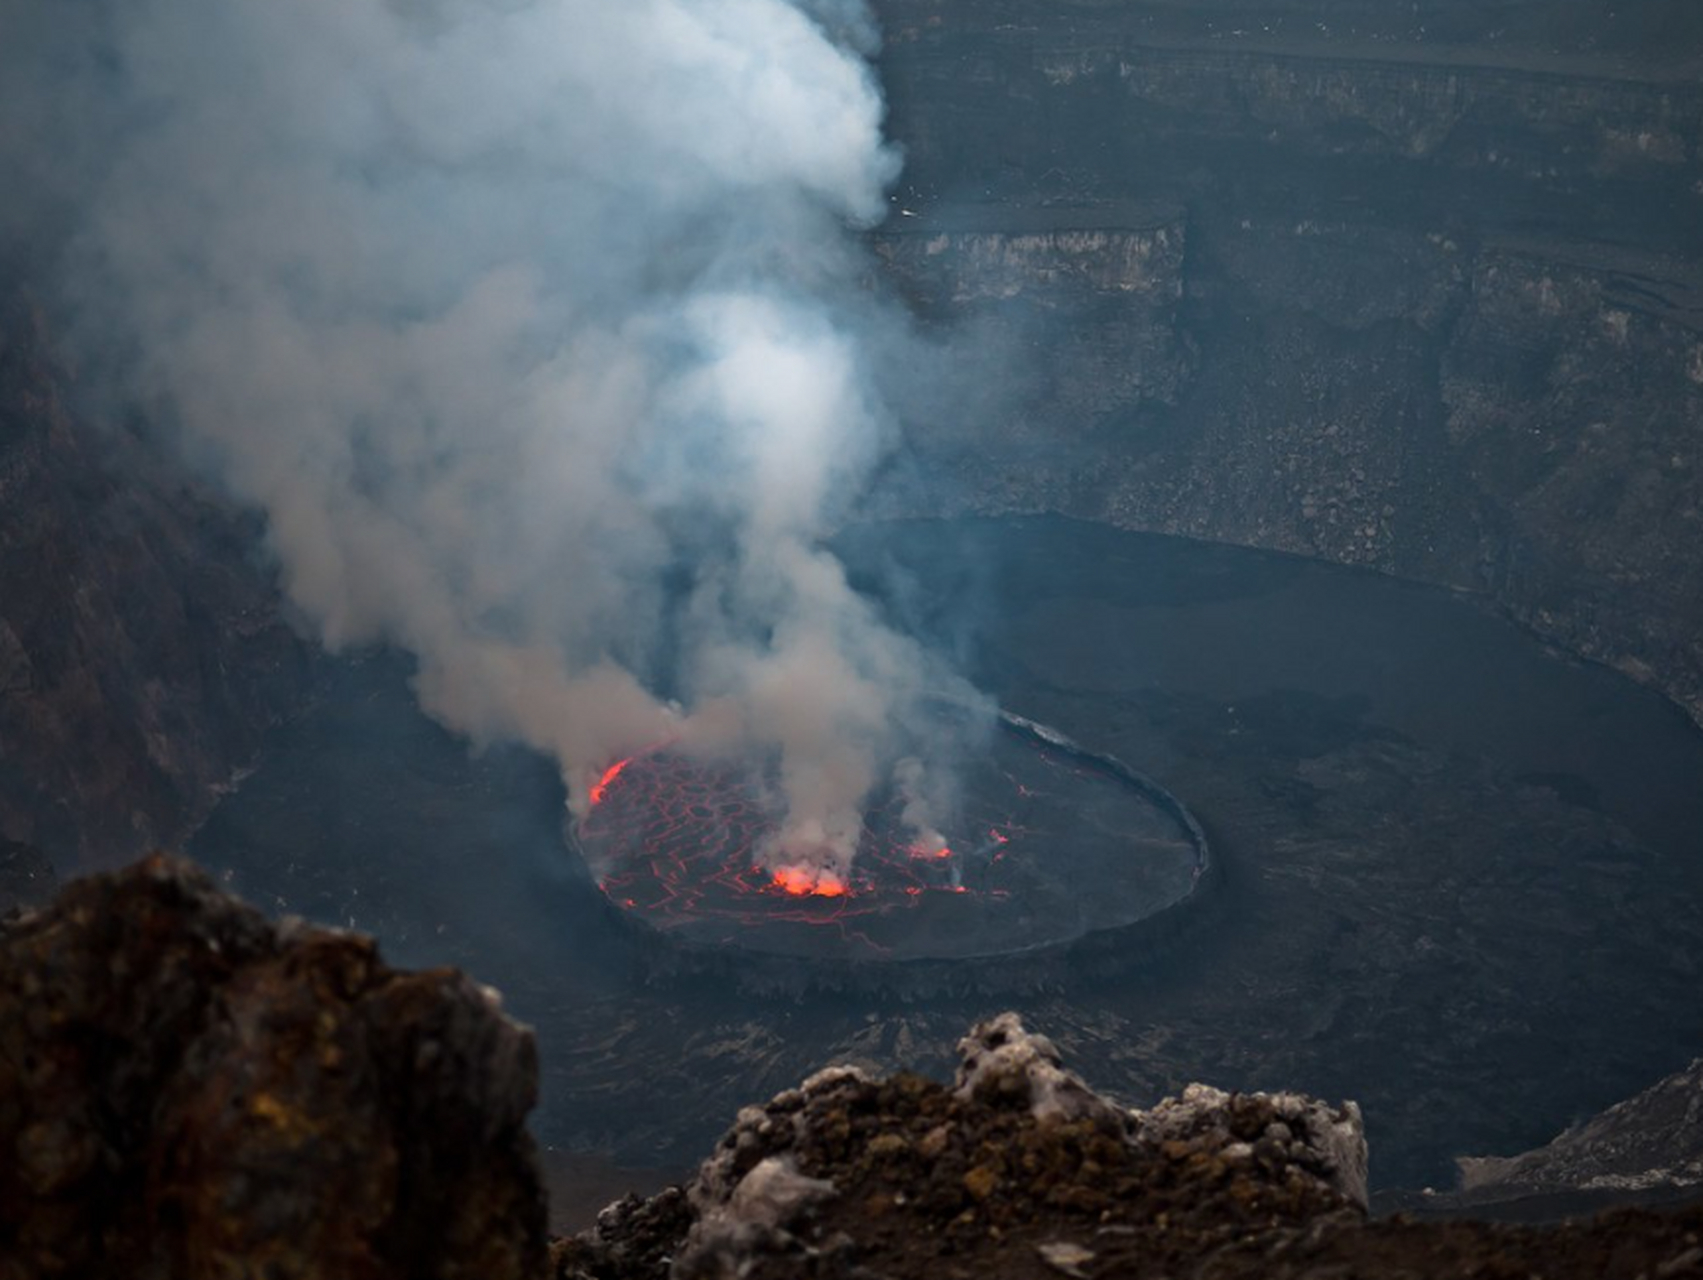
(1411, 291)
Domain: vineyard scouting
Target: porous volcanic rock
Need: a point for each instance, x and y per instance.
(1645, 1150)
(1020, 1169)
(189, 1090)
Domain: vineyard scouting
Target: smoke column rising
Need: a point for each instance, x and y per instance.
(534, 329)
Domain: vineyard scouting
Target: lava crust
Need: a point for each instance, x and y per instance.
(1051, 844)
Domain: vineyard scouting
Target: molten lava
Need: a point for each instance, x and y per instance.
(601, 787)
(1045, 843)
(681, 840)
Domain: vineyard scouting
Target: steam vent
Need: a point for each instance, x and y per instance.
(1054, 849)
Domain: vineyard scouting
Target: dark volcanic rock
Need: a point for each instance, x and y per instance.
(141, 650)
(26, 876)
(1017, 1169)
(1648, 1149)
(191, 1090)
(1021, 1170)
(1407, 286)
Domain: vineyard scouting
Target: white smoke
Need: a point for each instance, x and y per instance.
(503, 312)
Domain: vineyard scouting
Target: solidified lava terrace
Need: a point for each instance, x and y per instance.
(1051, 844)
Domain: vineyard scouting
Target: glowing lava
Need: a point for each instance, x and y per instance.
(680, 841)
(1046, 844)
(942, 853)
(802, 882)
(601, 787)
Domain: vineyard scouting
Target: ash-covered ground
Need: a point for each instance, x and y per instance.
(1460, 872)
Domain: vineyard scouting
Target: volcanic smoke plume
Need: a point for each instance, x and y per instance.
(534, 329)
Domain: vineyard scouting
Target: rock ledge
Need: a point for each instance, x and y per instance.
(187, 1089)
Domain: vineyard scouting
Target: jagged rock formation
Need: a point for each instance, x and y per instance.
(1020, 1169)
(1646, 1150)
(1412, 287)
(141, 650)
(189, 1090)
(186, 1089)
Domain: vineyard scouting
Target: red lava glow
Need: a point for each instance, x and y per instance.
(679, 841)
(1040, 847)
(601, 787)
(802, 882)
(944, 853)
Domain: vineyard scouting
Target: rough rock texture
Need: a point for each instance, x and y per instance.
(141, 651)
(1648, 1148)
(1102, 288)
(1412, 287)
(1002, 1060)
(1021, 1170)
(189, 1090)
(1329, 1143)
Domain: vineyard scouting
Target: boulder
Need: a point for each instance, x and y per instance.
(191, 1090)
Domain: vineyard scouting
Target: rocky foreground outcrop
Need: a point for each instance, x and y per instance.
(189, 1090)
(1019, 1169)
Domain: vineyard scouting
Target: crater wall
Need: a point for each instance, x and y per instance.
(1411, 288)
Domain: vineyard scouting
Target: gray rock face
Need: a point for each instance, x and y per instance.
(1650, 1143)
(1416, 293)
(1001, 1059)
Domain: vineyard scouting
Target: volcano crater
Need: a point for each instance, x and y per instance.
(1052, 846)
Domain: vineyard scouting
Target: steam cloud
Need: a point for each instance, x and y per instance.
(536, 330)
